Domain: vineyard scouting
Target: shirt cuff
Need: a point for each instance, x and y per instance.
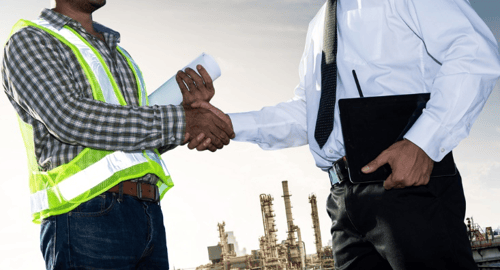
(173, 124)
(244, 126)
(430, 136)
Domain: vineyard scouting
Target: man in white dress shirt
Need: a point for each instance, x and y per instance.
(441, 47)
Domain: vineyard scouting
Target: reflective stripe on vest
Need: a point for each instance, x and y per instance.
(92, 171)
(110, 91)
(143, 97)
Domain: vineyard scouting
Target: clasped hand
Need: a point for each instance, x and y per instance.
(410, 165)
(206, 126)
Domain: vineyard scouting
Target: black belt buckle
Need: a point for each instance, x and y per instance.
(340, 167)
(156, 197)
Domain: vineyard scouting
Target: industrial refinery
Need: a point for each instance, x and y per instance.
(485, 246)
(289, 254)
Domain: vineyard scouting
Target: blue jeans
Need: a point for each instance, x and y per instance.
(106, 233)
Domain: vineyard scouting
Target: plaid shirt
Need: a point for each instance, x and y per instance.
(49, 90)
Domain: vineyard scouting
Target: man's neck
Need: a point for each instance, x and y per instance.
(84, 18)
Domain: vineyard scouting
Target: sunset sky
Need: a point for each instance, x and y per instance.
(258, 45)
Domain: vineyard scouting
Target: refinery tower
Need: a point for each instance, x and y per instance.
(289, 254)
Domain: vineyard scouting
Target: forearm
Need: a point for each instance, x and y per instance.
(109, 127)
(448, 117)
(98, 125)
(275, 127)
(460, 42)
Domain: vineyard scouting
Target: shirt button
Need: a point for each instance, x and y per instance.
(172, 138)
(442, 150)
(331, 151)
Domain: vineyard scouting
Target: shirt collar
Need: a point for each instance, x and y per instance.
(59, 20)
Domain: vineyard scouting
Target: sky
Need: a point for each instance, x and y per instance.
(258, 45)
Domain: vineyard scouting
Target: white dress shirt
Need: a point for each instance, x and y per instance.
(397, 47)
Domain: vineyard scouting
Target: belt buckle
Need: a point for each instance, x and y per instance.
(340, 168)
(334, 179)
(140, 197)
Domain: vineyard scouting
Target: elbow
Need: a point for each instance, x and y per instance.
(63, 123)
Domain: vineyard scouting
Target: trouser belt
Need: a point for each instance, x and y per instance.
(141, 190)
(338, 172)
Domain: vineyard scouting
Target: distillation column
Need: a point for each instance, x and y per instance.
(302, 253)
(266, 204)
(292, 229)
(315, 220)
(289, 218)
(226, 253)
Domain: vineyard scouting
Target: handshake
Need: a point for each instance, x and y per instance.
(206, 126)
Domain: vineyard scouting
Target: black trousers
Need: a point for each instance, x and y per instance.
(411, 228)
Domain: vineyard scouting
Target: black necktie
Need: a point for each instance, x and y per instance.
(324, 122)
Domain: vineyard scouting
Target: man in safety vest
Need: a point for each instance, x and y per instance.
(93, 143)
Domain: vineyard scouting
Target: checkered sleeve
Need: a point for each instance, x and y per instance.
(40, 80)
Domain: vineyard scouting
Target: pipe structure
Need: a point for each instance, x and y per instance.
(302, 253)
(262, 251)
(288, 208)
(224, 245)
(315, 220)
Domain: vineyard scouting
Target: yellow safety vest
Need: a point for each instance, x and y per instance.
(91, 172)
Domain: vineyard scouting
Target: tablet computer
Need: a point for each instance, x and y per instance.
(371, 124)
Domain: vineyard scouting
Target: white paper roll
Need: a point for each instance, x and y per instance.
(170, 93)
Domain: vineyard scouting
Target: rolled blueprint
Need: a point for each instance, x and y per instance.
(170, 93)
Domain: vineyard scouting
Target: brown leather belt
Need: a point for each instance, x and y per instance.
(141, 190)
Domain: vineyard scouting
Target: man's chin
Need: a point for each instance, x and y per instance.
(96, 4)
(99, 3)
